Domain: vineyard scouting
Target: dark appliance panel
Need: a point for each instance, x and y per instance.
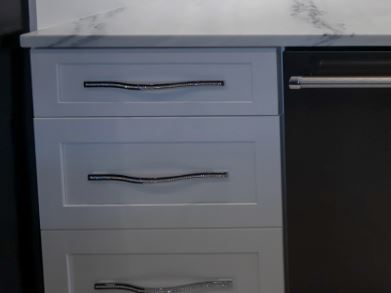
(20, 258)
(338, 173)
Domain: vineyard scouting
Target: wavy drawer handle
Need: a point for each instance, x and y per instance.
(208, 285)
(154, 180)
(152, 86)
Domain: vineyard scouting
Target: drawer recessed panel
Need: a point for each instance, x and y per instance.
(244, 260)
(160, 160)
(159, 172)
(169, 82)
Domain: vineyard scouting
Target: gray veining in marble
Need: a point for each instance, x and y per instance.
(310, 12)
(214, 23)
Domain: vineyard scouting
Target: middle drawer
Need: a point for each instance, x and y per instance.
(159, 172)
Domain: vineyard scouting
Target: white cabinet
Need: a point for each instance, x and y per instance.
(247, 149)
(77, 260)
(174, 181)
(242, 82)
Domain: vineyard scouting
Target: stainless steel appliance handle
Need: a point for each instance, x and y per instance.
(152, 86)
(112, 285)
(152, 180)
(310, 82)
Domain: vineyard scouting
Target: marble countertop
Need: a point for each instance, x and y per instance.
(219, 23)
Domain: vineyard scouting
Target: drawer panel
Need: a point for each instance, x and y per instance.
(246, 148)
(249, 75)
(74, 261)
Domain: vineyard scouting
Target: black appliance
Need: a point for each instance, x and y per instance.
(20, 261)
(338, 170)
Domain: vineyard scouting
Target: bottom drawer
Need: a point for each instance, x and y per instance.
(76, 261)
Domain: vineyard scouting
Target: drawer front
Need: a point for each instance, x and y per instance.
(249, 76)
(74, 261)
(246, 149)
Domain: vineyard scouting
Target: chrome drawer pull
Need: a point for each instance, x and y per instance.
(112, 285)
(152, 86)
(309, 82)
(152, 180)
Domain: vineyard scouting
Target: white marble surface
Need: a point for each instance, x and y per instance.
(211, 23)
(54, 12)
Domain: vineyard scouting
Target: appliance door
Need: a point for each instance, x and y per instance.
(9, 254)
(338, 171)
(20, 257)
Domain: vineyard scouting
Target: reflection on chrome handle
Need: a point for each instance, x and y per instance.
(200, 286)
(152, 180)
(310, 82)
(152, 86)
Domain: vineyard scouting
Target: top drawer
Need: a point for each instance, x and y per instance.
(249, 77)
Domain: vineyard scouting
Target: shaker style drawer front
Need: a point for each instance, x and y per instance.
(155, 82)
(159, 172)
(232, 261)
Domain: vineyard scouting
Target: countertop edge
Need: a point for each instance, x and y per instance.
(31, 40)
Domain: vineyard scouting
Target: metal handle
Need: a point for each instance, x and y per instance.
(112, 285)
(152, 86)
(309, 82)
(152, 180)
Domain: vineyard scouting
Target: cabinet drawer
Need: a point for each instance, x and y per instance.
(74, 261)
(246, 148)
(249, 76)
